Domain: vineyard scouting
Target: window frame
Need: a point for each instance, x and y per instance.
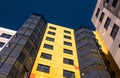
(5, 35)
(114, 31)
(53, 28)
(68, 61)
(67, 43)
(43, 68)
(46, 56)
(1, 44)
(68, 74)
(51, 33)
(107, 23)
(102, 17)
(48, 46)
(50, 39)
(67, 51)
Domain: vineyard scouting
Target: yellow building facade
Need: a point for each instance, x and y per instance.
(57, 56)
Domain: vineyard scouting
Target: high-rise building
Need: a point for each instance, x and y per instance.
(57, 55)
(91, 62)
(5, 36)
(106, 19)
(17, 57)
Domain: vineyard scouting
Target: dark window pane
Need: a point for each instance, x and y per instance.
(50, 39)
(107, 1)
(107, 23)
(68, 51)
(102, 16)
(114, 31)
(51, 33)
(46, 56)
(114, 4)
(6, 36)
(67, 43)
(97, 13)
(21, 57)
(43, 68)
(68, 61)
(68, 74)
(48, 46)
(53, 28)
(67, 37)
(68, 32)
(1, 44)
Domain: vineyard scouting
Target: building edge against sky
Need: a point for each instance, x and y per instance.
(106, 19)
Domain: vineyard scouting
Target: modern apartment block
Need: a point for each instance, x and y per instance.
(5, 36)
(57, 55)
(17, 57)
(106, 19)
(91, 62)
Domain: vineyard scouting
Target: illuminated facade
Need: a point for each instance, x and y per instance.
(57, 56)
(106, 19)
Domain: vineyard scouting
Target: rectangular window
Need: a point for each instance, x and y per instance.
(1, 44)
(48, 46)
(51, 33)
(114, 31)
(67, 37)
(50, 39)
(46, 56)
(4, 35)
(114, 4)
(68, 74)
(43, 68)
(68, 51)
(53, 28)
(68, 61)
(21, 57)
(67, 43)
(107, 23)
(68, 32)
(97, 13)
(102, 16)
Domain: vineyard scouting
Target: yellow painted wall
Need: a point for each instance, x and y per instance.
(56, 64)
(108, 55)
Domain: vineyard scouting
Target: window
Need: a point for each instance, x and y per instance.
(46, 56)
(68, 51)
(6, 36)
(21, 57)
(107, 23)
(107, 1)
(114, 4)
(1, 44)
(68, 32)
(53, 28)
(97, 13)
(68, 61)
(51, 33)
(114, 31)
(102, 16)
(67, 43)
(48, 46)
(68, 74)
(67, 37)
(50, 39)
(43, 68)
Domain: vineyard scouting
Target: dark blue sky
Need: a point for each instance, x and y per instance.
(68, 13)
